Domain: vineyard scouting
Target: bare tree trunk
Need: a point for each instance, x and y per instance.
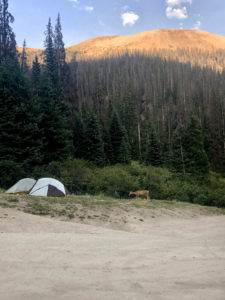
(139, 139)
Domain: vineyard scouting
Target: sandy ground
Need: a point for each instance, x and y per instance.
(169, 258)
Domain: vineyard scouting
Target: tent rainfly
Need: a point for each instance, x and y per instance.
(48, 187)
(23, 186)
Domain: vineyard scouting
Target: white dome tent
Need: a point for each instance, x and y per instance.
(23, 186)
(48, 187)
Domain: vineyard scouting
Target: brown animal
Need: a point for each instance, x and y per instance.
(140, 194)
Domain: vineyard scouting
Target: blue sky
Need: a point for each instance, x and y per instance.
(85, 19)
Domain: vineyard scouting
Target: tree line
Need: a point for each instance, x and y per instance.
(34, 127)
(108, 111)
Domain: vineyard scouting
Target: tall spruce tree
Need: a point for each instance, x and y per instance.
(60, 53)
(19, 133)
(153, 153)
(177, 155)
(78, 136)
(35, 76)
(57, 134)
(50, 64)
(23, 58)
(107, 144)
(130, 121)
(196, 159)
(119, 141)
(125, 153)
(7, 36)
(92, 143)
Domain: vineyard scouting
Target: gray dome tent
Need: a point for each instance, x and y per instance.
(23, 186)
(48, 187)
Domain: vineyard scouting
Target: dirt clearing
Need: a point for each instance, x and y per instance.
(177, 254)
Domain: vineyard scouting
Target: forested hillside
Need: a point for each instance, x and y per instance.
(146, 89)
(158, 111)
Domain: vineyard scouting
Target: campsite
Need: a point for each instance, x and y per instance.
(112, 150)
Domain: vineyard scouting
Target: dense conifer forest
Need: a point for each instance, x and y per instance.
(132, 107)
(149, 91)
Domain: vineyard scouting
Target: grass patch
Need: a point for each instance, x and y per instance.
(62, 212)
(5, 205)
(13, 200)
(36, 208)
(98, 207)
(71, 216)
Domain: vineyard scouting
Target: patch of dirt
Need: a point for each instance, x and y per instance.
(158, 254)
(160, 258)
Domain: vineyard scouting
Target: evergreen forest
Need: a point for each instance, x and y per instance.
(111, 125)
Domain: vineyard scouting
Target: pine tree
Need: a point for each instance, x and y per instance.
(50, 66)
(78, 136)
(216, 134)
(107, 144)
(23, 58)
(35, 77)
(19, 133)
(60, 53)
(57, 134)
(125, 153)
(153, 153)
(130, 121)
(177, 155)
(196, 160)
(7, 36)
(93, 144)
(166, 154)
(118, 136)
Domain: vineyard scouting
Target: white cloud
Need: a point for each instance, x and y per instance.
(176, 9)
(129, 18)
(172, 3)
(177, 13)
(89, 8)
(197, 25)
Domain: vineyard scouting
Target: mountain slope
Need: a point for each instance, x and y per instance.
(192, 46)
(169, 39)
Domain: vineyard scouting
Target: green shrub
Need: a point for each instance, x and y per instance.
(10, 173)
(114, 181)
(75, 174)
(218, 197)
(81, 177)
(156, 181)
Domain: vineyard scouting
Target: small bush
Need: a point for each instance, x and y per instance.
(114, 181)
(10, 173)
(218, 197)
